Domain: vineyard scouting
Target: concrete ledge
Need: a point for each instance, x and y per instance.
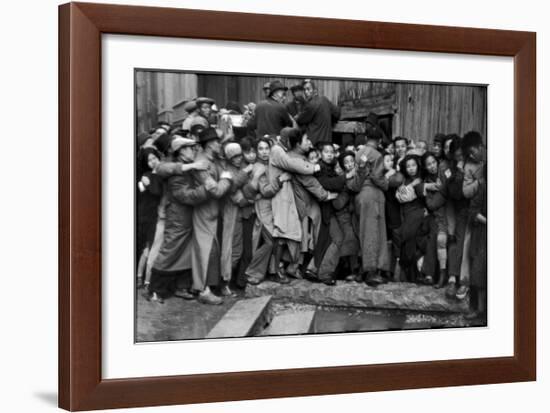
(246, 318)
(299, 322)
(402, 296)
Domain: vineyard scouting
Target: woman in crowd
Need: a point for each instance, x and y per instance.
(327, 251)
(232, 229)
(431, 192)
(393, 212)
(454, 177)
(412, 214)
(149, 196)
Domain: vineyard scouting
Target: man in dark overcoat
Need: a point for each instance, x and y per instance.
(318, 115)
(271, 115)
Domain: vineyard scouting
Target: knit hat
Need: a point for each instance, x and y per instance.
(232, 149)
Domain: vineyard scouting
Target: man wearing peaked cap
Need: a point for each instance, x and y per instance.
(271, 115)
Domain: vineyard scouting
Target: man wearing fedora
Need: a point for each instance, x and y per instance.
(271, 115)
(183, 192)
(206, 245)
(318, 115)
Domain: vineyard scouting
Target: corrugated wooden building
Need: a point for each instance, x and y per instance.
(414, 110)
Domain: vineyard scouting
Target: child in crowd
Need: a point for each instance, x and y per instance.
(344, 214)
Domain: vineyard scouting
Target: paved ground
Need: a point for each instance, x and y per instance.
(178, 319)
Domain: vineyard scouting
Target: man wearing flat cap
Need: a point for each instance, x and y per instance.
(318, 115)
(183, 192)
(295, 106)
(271, 115)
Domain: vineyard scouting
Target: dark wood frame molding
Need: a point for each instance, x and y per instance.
(80, 28)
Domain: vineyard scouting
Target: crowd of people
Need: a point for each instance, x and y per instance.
(217, 209)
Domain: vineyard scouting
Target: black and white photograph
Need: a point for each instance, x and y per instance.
(275, 205)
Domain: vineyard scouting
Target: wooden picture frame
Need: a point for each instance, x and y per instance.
(81, 386)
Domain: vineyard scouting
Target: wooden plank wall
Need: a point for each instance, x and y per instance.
(427, 109)
(420, 110)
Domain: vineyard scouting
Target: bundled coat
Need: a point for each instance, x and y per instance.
(370, 183)
(183, 193)
(206, 247)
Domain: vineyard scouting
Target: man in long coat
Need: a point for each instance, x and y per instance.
(271, 115)
(206, 245)
(318, 115)
(183, 192)
(371, 183)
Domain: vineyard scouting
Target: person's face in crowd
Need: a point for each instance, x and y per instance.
(205, 109)
(401, 148)
(263, 151)
(266, 91)
(298, 95)
(250, 156)
(431, 165)
(437, 148)
(327, 154)
(215, 146)
(187, 153)
(458, 156)
(476, 153)
(279, 96)
(447, 148)
(349, 163)
(305, 145)
(412, 168)
(422, 147)
(308, 91)
(237, 161)
(152, 161)
(313, 157)
(390, 149)
(388, 161)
